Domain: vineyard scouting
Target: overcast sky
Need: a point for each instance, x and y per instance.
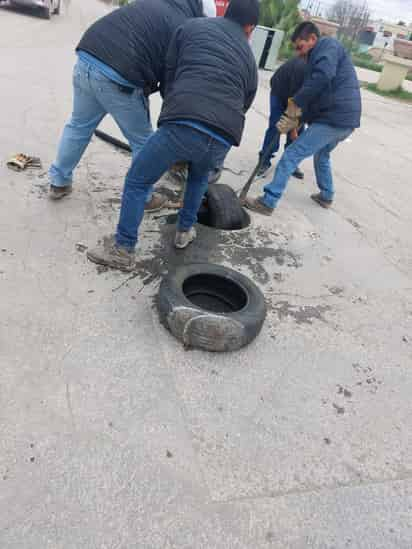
(393, 10)
(390, 10)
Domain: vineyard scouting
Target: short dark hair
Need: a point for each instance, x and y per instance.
(304, 30)
(244, 12)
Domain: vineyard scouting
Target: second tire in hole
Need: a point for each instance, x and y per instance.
(222, 209)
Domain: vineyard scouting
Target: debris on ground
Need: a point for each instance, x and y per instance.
(20, 162)
(80, 247)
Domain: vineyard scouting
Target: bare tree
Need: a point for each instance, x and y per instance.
(350, 16)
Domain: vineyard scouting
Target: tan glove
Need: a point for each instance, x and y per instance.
(293, 111)
(291, 119)
(20, 162)
(286, 124)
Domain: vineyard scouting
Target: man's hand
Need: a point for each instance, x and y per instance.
(286, 124)
(294, 134)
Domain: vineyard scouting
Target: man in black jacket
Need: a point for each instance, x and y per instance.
(211, 81)
(121, 60)
(285, 82)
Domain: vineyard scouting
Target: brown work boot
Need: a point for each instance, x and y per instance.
(184, 238)
(56, 193)
(108, 253)
(321, 201)
(157, 202)
(256, 205)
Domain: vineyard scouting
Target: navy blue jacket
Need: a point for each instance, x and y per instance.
(330, 92)
(211, 76)
(133, 40)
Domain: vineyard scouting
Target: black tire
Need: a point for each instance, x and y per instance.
(225, 210)
(113, 141)
(200, 327)
(203, 214)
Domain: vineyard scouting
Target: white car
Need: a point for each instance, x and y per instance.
(47, 6)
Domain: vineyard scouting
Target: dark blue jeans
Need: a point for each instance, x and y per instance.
(171, 143)
(272, 136)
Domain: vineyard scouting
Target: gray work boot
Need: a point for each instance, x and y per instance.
(256, 205)
(108, 253)
(156, 203)
(321, 201)
(184, 238)
(56, 193)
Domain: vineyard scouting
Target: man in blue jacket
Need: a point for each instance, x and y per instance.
(329, 102)
(211, 81)
(121, 61)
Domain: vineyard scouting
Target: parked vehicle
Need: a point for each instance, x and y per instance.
(47, 7)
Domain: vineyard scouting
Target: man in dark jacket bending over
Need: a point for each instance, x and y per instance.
(330, 102)
(210, 83)
(121, 60)
(285, 82)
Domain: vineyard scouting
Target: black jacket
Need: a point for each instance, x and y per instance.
(211, 76)
(288, 80)
(133, 40)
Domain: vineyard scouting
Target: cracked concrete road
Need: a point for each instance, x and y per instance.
(111, 435)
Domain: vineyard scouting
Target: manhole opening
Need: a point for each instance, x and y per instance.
(203, 219)
(215, 293)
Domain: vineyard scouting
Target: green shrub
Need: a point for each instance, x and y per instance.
(365, 62)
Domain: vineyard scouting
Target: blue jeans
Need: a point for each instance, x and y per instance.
(94, 96)
(171, 143)
(318, 140)
(272, 136)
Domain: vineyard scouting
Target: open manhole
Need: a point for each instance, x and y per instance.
(214, 293)
(220, 209)
(204, 218)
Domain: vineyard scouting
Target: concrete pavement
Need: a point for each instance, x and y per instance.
(111, 435)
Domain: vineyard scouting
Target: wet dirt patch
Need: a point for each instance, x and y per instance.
(246, 250)
(305, 314)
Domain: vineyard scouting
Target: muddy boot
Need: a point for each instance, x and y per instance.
(321, 201)
(108, 253)
(56, 193)
(256, 205)
(184, 238)
(157, 202)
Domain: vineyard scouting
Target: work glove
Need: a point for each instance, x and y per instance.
(293, 111)
(286, 124)
(20, 162)
(291, 118)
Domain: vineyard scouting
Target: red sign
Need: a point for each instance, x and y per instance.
(221, 6)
